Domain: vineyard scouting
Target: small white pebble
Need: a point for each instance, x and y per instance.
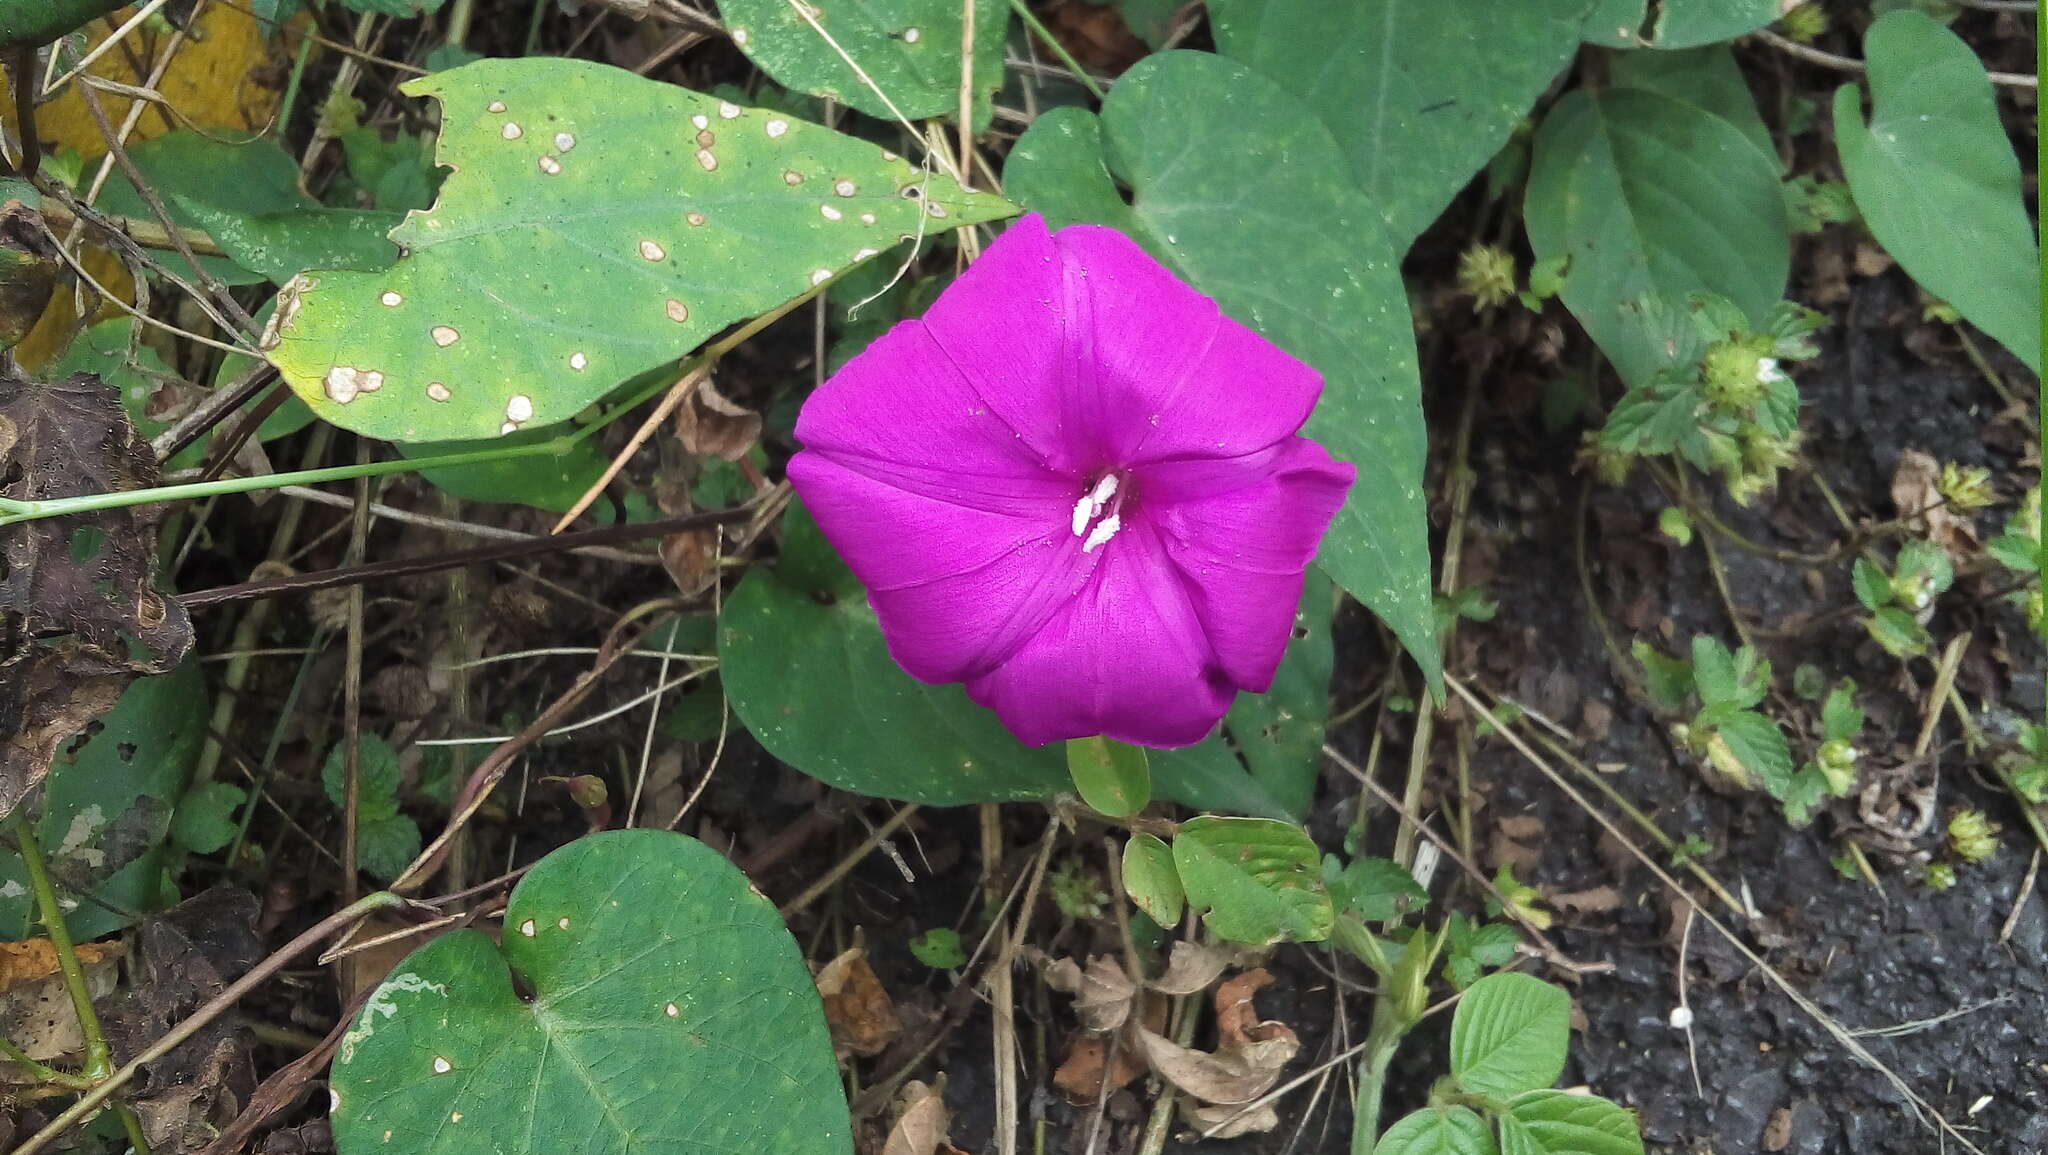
(578, 361)
(391, 300)
(519, 408)
(564, 141)
(739, 36)
(511, 131)
(1681, 1018)
(442, 1066)
(912, 34)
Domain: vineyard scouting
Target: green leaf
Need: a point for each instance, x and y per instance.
(1872, 587)
(106, 809)
(669, 1010)
(1563, 1123)
(1739, 679)
(565, 255)
(377, 775)
(1680, 24)
(1377, 889)
(1509, 1035)
(1280, 732)
(205, 819)
(1936, 179)
(386, 845)
(282, 245)
(1254, 880)
(1607, 169)
(1152, 881)
(1840, 717)
(2014, 551)
(1337, 302)
(939, 948)
(1438, 1131)
(103, 350)
(807, 671)
(1760, 746)
(547, 481)
(910, 49)
(1669, 680)
(1706, 78)
(1898, 632)
(189, 170)
(1419, 94)
(1112, 776)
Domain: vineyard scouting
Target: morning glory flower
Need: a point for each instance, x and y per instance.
(1076, 487)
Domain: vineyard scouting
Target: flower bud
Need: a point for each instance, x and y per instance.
(1971, 835)
(1837, 762)
(1486, 273)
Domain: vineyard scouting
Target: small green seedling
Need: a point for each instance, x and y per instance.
(1901, 602)
(1509, 1037)
(2019, 549)
(386, 840)
(939, 948)
(1517, 899)
(1470, 604)
(1723, 403)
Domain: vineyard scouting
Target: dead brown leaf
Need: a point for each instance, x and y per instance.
(1191, 968)
(28, 270)
(859, 1011)
(691, 558)
(1079, 1076)
(708, 424)
(1249, 1053)
(79, 616)
(923, 1125)
(35, 1010)
(1102, 993)
(1916, 491)
(1594, 900)
(1257, 1121)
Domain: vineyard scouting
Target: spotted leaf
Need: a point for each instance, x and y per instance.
(646, 999)
(596, 226)
(909, 49)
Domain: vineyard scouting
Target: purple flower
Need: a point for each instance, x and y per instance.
(1077, 487)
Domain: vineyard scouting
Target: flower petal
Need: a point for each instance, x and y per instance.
(901, 412)
(1126, 658)
(957, 589)
(1176, 378)
(1242, 553)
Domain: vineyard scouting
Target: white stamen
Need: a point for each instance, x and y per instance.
(1103, 531)
(1767, 370)
(1103, 491)
(1084, 512)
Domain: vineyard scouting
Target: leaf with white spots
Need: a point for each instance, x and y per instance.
(909, 49)
(646, 1000)
(1218, 211)
(596, 226)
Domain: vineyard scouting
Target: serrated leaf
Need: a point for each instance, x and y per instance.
(386, 844)
(1377, 889)
(1337, 303)
(1668, 679)
(670, 1010)
(1509, 1035)
(1608, 167)
(205, 818)
(1419, 94)
(1113, 777)
(1760, 746)
(377, 775)
(1715, 673)
(1254, 880)
(910, 49)
(1872, 587)
(1936, 179)
(1438, 1131)
(1840, 717)
(596, 226)
(1563, 1123)
(2014, 551)
(106, 808)
(1898, 632)
(1152, 881)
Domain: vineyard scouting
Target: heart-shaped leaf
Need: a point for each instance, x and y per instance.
(1607, 168)
(910, 49)
(1420, 93)
(596, 226)
(669, 1011)
(1509, 1035)
(1936, 179)
(1336, 302)
(804, 663)
(1680, 24)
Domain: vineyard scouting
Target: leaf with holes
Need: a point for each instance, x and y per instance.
(1420, 93)
(646, 1000)
(910, 49)
(106, 809)
(1255, 880)
(1336, 302)
(1509, 1035)
(1935, 177)
(1607, 168)
(596, 226)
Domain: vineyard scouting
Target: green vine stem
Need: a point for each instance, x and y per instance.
(1381, 1043)
(13, 512)
(1081, 74)
(98, 1057)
